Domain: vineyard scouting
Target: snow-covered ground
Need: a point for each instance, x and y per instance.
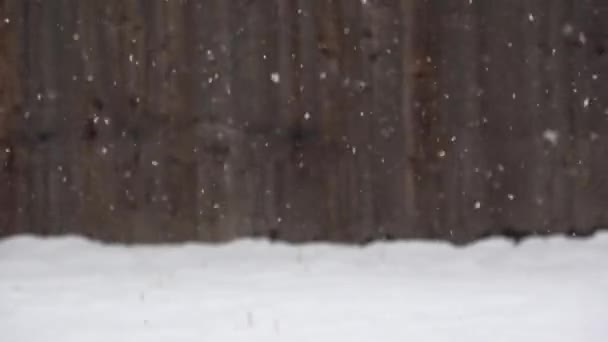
(73, 290)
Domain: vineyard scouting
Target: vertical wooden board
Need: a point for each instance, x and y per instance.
(289, 208)
(386, 141)
(39, 127)
(422, 125)
(288, 119)
(301, 163)
(22, 148)
(555, 185)
(407, 228)
(335, 149)
(218, 139)
(184, 141)
(9, 110)
(179, 171)
(67, 97)
(460, 154)
(510, 102)
(260, 173)
(256, 81)
(540, 169)
(357, 112)
(589, 115)
(114, 62)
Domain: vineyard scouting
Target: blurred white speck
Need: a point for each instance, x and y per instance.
(307, 116)
(323, 75)
(511, 197)
(453, 138)
(275, 77)
(594, 77)
(216, 205)
(441, 153)
(354, 150)
(90, 78)
(551, 136)
(154, 163)
(586, 102)
(594, 136)
(279, 219)
(131, 57)
(203, 191)
(76, 36)
(582, 38)
(477, 205)
(531, 17)
(210, 55)
(104, 150)
(514, 96)
(7, 20)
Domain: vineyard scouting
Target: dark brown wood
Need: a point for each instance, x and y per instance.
(303, 120)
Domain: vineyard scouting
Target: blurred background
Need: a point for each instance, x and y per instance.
(337, 120)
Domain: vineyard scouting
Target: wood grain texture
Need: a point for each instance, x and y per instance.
(301, 120)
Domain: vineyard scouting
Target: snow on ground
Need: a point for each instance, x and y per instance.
(73, 290)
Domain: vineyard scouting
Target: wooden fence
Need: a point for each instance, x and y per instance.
(343, 120)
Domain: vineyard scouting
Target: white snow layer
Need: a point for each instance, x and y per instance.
(73, 290)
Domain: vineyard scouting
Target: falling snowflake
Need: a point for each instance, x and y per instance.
(275, 77)
(551, 136)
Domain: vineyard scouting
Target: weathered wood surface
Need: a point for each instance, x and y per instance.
(303, 120)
